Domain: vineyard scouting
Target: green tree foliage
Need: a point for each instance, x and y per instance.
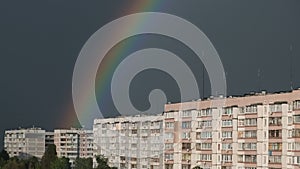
(61, 163)
(33, 163)
(84, 163)
(3, 158)
(102, 162)
(197, 167)
(15, 163)
(4, 155)
(49, 156)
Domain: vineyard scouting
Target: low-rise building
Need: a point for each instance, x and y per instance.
(73, 143)
(25, 143)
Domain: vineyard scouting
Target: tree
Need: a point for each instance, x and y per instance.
(33, 163)
(15, 163)
(4, 155)
(197, 167)
(102, 162)
(49, 156)
(84, 163)
(61, 163)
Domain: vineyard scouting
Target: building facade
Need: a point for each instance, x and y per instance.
(73, 143)
(258, 131)
(130, 142)
(25, 143)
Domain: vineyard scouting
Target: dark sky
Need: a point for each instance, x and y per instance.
(40, 42)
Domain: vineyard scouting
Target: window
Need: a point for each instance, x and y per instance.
(250, 158)
(186, 146)
(169, 156)
(274, 133)
(274, 159)
(227, 110)
(227, 134)
(168, 146)
(204, 157)
(203, 146)
(250, 122)
(186, 113)
(275, 108)
(247, 134)
(226, 158)
(294, 146)
(296, 133)
(250, 109)
(290, 120)
(247, 146)
(206, 112)
(169, 125)
(186, 124)
(169, 114)
(226, 123)
(169, 135)
(297, 119)
(296, 104)
(241, 122)
(275, 121)
(206, 134)
(186, 135)
(198, 135)
(185, 166)
(205, 123)
(226, 146)
(186, 156)
(275, 146)
(297, 160)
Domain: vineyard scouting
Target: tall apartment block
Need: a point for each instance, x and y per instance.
(25, 143)
(73, 143)
(130, 142)
(258, 131)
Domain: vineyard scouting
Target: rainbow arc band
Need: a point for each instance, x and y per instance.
(98, 45)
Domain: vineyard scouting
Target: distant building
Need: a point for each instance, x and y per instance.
(25, 143)
(130, 142)
(73, 143)
(49, 139)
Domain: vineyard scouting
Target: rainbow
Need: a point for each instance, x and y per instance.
(110, 63)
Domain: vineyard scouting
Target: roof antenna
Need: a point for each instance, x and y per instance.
(291, 67)
(258, 80)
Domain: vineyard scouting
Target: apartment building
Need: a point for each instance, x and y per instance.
(257, 131)
(25, 143)
(130, 142)
(73, 143)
